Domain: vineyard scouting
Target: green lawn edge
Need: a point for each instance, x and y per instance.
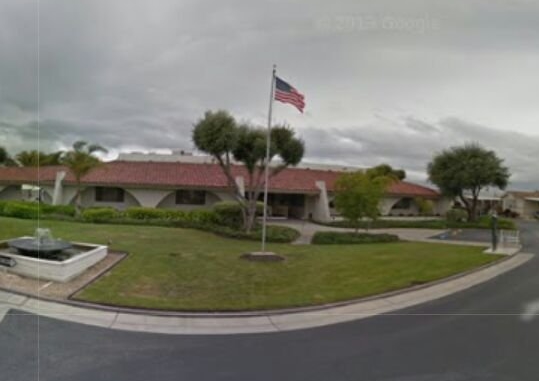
(190, 270)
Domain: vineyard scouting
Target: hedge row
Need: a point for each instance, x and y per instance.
(33, 210)
(224, 218)
(332, 238)
(481, 223)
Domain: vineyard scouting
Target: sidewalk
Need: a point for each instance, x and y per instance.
(208, 324)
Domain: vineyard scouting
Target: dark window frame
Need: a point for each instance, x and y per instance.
(404, 203)
(190, 197)
(109, 194)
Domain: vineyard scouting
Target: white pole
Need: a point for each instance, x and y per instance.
(266, 169)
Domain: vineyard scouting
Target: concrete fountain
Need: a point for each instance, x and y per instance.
(45, 257)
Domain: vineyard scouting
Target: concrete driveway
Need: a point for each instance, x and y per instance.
(488, 332)
(307, 230)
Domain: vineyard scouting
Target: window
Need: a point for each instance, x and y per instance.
(190, 197)
(403, 203)
(105, 194)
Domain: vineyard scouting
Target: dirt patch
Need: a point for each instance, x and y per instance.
(55, 290)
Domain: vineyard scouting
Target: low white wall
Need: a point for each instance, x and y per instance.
(54, 270)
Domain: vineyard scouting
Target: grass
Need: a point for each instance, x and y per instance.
(180, 269)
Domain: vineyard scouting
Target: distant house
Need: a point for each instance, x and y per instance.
(526, 204)
(294, 193)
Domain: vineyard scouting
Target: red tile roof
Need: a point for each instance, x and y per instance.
(161, 174)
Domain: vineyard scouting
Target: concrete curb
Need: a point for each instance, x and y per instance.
(264, 322)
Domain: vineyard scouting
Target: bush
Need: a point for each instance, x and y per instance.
(456, 215)
(332, 238)
(59, 210)
(426, 207)
(141, 213)
(19, 209)
(274, 233)
(201, 216)
(229, 213)
(100, 214)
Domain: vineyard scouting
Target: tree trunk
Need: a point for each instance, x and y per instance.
(78, 201)
(473, 211)
(251, 215)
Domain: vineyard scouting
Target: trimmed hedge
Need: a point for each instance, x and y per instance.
(32, 210)
(100, 214)
(229, 213)
(481, 223)
(21, 210)
(456, 215)
(140, 213)
(201, 219)
(336, 238)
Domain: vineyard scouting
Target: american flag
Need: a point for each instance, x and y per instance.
(287, 94)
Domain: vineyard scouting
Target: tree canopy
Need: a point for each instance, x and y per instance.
(81, 161)
(387, 171)
(36, 158)
(358, 194)
(219, 135)
(466, 170)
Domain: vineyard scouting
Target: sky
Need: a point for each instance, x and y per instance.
(384, 81)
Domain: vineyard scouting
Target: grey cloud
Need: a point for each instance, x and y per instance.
(138, 74)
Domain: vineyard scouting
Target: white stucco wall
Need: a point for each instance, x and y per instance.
(169, 202)
(88, 200)
(320, 204)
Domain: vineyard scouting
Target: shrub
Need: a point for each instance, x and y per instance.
(176, 215)
(229, 213)
(141, 213)
(201, 216)
(26, 210)
(456, 215)
(59, 210)
(332, 238)
(426, 207)
(100, 214)
(274, 233)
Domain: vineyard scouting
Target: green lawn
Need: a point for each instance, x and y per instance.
(192, 270)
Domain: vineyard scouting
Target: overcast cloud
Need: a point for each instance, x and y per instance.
(385, 81)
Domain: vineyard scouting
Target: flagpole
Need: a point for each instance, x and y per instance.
(266, 169)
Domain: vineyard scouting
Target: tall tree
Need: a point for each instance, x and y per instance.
(465, 170)
(35, 158)
(218, 135)
(4, 156)
(81, 161)
(388, 171)
(5, 159)
(358, 194)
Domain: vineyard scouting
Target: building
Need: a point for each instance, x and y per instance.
(293, 193)
(526, 204)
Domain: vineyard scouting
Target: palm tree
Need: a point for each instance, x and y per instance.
(4, 156)
(36, 158)
(5, 159)
(81, 161)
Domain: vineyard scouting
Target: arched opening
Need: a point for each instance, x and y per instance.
(405, 206)
(11, 192)
(114, 197)
(188, 199)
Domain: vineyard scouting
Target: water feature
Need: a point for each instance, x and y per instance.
(42, 245)
(45, 257)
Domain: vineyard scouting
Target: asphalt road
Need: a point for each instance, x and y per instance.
(478, 334)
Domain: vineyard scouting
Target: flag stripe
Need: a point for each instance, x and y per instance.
(287, 94)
